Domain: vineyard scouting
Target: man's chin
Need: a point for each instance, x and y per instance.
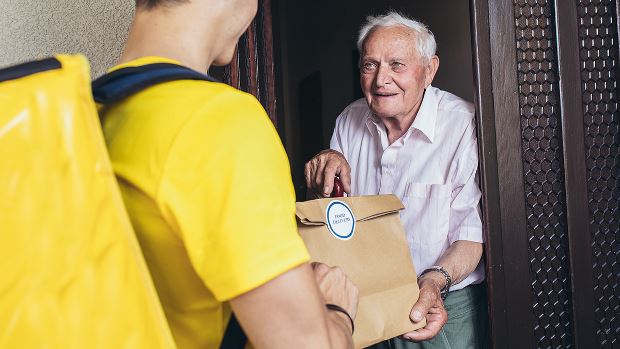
(383, 113)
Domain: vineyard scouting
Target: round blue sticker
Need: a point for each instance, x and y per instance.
(340, 220)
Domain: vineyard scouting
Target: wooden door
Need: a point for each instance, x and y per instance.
(547, 99)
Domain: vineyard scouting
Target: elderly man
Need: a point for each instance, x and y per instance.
(419, 143)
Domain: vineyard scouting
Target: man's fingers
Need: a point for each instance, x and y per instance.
(318, 175)
(435, 319)
(345, 177)
(329, 173)
(310, 171)
(308, 174)
(426, 300)
(321, 170)
(426, 333)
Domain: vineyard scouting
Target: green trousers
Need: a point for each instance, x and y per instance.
(467, 326)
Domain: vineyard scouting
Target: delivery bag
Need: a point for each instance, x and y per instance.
(364, 236)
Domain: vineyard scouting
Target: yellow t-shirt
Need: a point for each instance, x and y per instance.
(207, 185)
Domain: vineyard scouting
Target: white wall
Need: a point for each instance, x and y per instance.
(33, 29)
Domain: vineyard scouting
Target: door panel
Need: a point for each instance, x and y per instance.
(547, 103)
(598, 52)
(543, 174)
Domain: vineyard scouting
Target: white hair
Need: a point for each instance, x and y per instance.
(425, 40)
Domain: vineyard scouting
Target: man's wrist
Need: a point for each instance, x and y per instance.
(436, 273)
(433, 279)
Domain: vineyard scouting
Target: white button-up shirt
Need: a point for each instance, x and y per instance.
(432, 168)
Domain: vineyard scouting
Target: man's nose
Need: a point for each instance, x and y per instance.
(383, 75)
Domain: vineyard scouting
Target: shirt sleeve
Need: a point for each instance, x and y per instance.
(228, 192)
(465, 222)
(337, 141)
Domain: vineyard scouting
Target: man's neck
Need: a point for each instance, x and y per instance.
(166, 33)
(397, 126)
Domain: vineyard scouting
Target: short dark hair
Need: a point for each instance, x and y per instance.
(149, 4)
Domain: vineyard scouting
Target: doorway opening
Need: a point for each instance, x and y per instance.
(315, 48)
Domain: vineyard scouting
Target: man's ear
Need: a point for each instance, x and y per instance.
(431, 70)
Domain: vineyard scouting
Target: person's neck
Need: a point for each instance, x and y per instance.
(166, 33)
(397, 126)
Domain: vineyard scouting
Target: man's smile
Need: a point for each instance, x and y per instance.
(384, 94)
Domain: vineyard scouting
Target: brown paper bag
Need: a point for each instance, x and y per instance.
(364, 236)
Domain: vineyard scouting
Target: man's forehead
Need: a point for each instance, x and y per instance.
(395, 38)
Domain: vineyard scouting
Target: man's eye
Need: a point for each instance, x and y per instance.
(397, 66)
(369, 66)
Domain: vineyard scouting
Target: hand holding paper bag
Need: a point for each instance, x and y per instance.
(431, 307)
(364, 236)
(321, 170)
(337, 289)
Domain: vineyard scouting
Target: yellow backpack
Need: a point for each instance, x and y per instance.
(73, 275)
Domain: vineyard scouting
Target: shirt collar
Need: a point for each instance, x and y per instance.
(425, 119)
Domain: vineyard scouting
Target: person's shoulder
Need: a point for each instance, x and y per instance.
(455, 116)
(217, 102)
(359, 103)
(230, 116)
(355, 112)
(358, 107)
(215, 93)
(453, 104)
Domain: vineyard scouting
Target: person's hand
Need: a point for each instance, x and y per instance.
(336, 287)
(321, 170)
(429, 305)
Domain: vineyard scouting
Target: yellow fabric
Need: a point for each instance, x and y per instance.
(72, 271)
(207, 185)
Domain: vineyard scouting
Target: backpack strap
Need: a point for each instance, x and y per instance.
(29, 68)
(122, 83)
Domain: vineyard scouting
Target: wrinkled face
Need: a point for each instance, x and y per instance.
(392, 73)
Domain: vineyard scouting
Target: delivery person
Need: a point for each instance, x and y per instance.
(207, 185)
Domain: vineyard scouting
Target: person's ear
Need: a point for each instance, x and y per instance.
(431, 70)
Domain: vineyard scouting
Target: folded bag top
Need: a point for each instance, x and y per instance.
(365, 207)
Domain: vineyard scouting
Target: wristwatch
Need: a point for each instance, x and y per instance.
(446, 288)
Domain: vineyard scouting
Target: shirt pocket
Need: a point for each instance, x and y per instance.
(427, 207)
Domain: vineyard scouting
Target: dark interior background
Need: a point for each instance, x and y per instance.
(316, 63)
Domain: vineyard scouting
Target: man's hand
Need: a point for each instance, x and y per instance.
(321, 170)
(431, 306)
(336, 287)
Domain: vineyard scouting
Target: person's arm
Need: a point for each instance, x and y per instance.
(465, 238)
(289, 311)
